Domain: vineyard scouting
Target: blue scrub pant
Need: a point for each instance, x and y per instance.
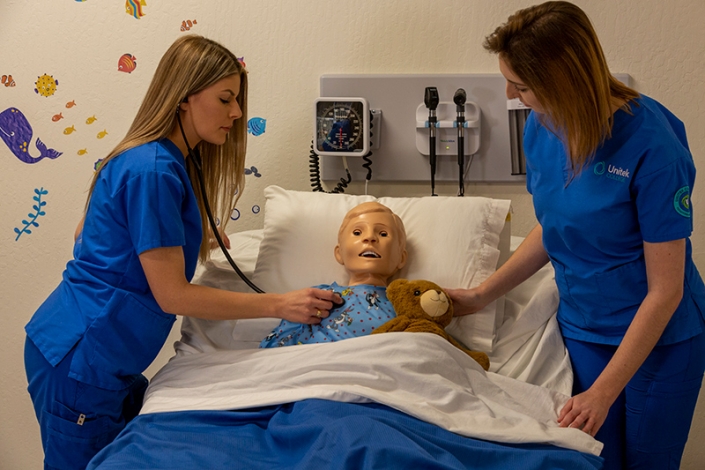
(647, 426)
(76, 419)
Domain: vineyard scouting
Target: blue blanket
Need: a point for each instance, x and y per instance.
(317, 434)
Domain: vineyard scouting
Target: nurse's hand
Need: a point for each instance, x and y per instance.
(466, 301)
(586, 411)
(309, 305)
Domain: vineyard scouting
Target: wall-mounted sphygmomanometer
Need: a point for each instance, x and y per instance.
(342, 127)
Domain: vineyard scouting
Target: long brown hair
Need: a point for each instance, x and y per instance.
(554, 50)
(191, 64)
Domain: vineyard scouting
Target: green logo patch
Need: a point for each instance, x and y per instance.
(681, 201)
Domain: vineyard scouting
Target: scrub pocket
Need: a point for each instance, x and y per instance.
(120, 343)
(69, 445)
(667, 415)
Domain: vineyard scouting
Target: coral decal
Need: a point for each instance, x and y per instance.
(134, 8)
(16, 132)
(256, 126)
(8, 81)
(186, 25)
(46, 85)
(38, 212)
(127, 63)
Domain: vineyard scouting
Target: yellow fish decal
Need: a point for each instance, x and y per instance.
(134, 8)
(82, 151)
(91, 120)
(102, 134)
(69, 130)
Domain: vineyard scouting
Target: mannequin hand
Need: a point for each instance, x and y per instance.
(586, 411)
(309, 305)
(223, 236)
(466, 301)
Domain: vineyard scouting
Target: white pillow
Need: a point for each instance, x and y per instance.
(452, 241)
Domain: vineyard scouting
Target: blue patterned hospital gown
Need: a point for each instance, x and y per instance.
(366, 307)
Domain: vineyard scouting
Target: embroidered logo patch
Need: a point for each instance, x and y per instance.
(681, 201)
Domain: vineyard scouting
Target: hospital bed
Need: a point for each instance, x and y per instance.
(396, 400)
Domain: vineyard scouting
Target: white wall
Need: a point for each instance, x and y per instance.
(287, 45)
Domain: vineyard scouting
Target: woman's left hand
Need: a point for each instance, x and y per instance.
(586, 411)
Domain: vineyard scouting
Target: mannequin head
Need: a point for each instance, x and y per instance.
(371, 244)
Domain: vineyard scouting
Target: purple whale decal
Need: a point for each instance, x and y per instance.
(17, 134)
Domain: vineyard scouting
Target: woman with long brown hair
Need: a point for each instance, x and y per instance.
(610, 173)
(136, 250)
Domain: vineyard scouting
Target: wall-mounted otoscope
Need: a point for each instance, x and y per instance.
(431, 100)
(459, 99)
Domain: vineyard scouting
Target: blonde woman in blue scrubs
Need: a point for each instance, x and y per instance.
(136, 251)
(611, 174)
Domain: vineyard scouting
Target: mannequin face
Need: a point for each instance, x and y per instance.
(370, 245)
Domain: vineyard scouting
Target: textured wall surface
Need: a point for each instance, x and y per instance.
(287, 45)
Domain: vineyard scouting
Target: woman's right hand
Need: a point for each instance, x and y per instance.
(308, 305)
(466, 301)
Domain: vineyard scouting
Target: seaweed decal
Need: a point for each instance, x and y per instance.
(38, 212)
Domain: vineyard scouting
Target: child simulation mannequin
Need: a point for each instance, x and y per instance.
(372, 248)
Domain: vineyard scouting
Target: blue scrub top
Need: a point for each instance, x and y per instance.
(637, 188)
(142, 200)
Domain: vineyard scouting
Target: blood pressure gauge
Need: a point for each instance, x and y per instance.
(342, 127)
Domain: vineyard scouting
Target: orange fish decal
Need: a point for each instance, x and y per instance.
(56, 117)
(71, 104)
(127, 63)
(187, 25)
(8, 81)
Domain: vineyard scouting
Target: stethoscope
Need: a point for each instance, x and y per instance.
(196, 159)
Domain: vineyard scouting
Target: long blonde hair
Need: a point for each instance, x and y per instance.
(554, 50)
(191, 64)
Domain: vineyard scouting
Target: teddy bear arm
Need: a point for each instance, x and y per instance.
(480, 357)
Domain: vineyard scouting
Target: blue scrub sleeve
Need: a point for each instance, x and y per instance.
(663, 201)
(153, 204)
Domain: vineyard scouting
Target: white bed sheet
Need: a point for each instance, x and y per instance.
(420, 374)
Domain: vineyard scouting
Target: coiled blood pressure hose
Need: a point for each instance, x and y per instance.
(196, 159)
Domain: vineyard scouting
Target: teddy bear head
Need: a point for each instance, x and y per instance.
(420, 299)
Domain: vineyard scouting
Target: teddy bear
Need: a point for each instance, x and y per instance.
(423, 306)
